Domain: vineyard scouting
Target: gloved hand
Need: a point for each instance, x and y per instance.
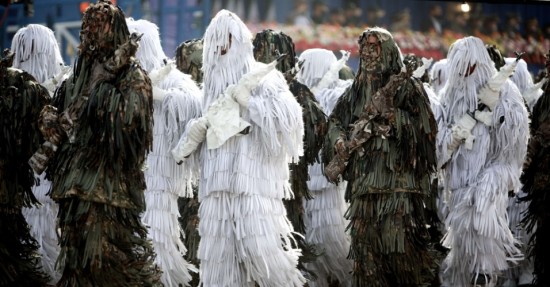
(485, 117)
(158, 93)
(461, 133)
(489, 97)
(195, 136)
(341, 148)
(240, 94)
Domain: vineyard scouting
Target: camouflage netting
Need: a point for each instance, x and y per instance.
(536, 183)
(268, 45)
(21, 100)
(389, 177)
(189, 58)
(96, 174)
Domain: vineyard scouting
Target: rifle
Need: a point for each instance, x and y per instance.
(380, 105)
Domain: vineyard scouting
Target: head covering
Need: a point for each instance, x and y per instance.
(150, 53)
(266, 45)
(103, 30)
(389, 62)
(315, 64)
(37, 52)
(189, 58)
(469, 67)
(227, 54)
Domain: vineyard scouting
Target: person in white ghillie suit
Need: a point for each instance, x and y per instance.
(439, 75)
(37, 53)
(246, 238)
(523, 273)
(481, 149)
(324, 220)
(524, 81)
(176, 100)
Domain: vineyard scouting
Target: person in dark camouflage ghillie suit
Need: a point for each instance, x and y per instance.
(536, 183)
(21, 101)
(389, 174)
(268, 44)
(96, 174)
(189, 59)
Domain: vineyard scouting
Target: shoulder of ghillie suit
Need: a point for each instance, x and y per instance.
(19, 79)
(21, 101)
(315, 124)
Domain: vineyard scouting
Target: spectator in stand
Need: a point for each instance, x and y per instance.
(459, 24)
(532, 30)
(434, 23)
(319, 13)
(300, 15)
(512, 27)
(490, 27)
(337, 17)
(353, 15)
(374, 16)
(475, 26)
(401, 21)
(546, 31)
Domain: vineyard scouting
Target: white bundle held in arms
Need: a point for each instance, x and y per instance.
(222, 119)
(176, 101)
(246, 238)
(479, 178)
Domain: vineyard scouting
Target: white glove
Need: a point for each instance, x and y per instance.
(195, 136)
(485, 117)
(240, 94)
(489, 97)
(419, 72)
(158, 93)
(462, 133)
(159, 74)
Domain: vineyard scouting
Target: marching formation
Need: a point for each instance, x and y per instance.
(239, 163)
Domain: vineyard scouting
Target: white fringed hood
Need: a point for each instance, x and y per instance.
(37, 52)
(150, 54)
(465, 80)
(225, 32)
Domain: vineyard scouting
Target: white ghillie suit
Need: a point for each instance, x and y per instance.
(521, 274)
(37, 53)
(482, 160)
(443, 194)
(324, 220)
(245, 235)
(439, 75)
(176, 100)
(524, 81)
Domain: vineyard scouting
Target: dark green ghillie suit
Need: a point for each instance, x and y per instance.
(96, 174)
(389, 176)
(267, 45)
(21, 101)
(536, 183)
(189, 59)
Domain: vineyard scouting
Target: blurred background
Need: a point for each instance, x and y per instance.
(425, 28)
